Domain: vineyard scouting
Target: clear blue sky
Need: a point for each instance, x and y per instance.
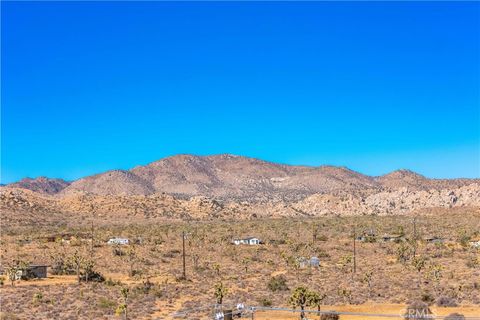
(92, 86)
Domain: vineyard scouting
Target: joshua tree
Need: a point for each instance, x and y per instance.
(195, 258)
(400, 231)
(88, 267)
(220, 292)
(403, 253)
(315, 299)
(246, 262)
(345, 262)
(13, 270)
(60, 263)
(123, 307)
(300, 298)
(419, 263)
(216, 267)
(367, 278)
(436, 275)
(131, 258)
(463, 238)
(77, 260)
(285, 257)
(346, 294)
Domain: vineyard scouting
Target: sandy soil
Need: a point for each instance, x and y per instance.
(391, 309)
(70, 279)
(166, 309)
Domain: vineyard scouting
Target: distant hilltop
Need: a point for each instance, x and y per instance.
(235, 177)
(187, 187)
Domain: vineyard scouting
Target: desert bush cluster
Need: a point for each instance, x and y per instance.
(443, 274)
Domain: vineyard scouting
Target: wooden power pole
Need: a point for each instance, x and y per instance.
(414, 236)
(314, 233)
(354, 251)
(183, 255)
(92, 229)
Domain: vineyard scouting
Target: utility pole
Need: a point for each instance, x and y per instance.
(354, 251)
(92, 230)
(183, 245)
(414, 236)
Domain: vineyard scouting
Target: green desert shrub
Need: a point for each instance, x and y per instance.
(145, 287)
(110, 282)
(265, 302)
(445, 301)
(61, 266)
(91, 275)
(418, 310)
(278, 283)
(117, 251)
(322, 238)
(329, 316)
(105, 303)
(427, 297)
(472, 262)
(37, 297)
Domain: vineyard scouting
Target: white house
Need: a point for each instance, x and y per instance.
(312, 262)
(122, 241)
(250, 241)
(475, 244)
(434, 239)
(33, 271)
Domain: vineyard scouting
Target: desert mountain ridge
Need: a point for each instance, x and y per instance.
(189, 187)
(43, 185)
(234, 177)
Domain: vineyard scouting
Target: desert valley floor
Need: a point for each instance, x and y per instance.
(354, 243)
(443, 273)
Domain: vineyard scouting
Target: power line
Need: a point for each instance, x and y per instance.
(250, 310)
(183, 256)
(354, 313)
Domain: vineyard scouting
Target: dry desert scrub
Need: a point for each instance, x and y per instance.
(386, 272)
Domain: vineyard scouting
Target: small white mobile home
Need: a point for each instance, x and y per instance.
(122, 241)
(249, 241)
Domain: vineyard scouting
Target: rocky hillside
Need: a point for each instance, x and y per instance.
(231, 187)
(414, 181)
(24, 207)
(42, 185)
(227, 177)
